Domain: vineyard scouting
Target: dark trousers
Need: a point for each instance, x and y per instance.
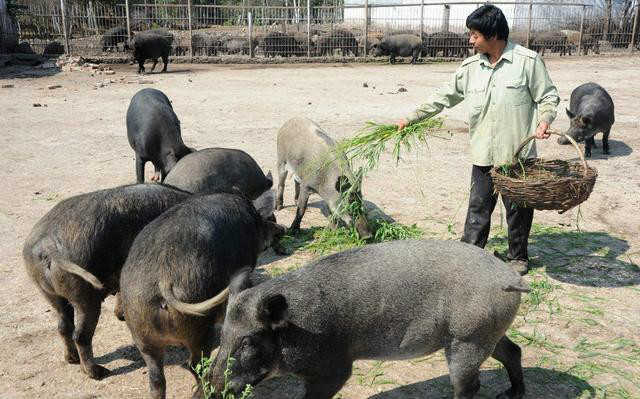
(482, 202)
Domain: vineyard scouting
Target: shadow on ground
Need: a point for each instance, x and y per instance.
(617, 148)
(173, 356)
(587, 258)
(539, 382)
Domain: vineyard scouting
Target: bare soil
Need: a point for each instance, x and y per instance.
(578, 328)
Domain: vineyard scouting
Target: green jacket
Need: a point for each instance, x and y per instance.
(505, 102)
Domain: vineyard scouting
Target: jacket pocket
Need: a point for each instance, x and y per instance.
(516, 92)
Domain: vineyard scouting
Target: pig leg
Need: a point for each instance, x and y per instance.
(118, 310)
(605, 141)
(464, 360)
(301, 209)
(588, 143)
(141, 66)
(297, 189)
(509, 354)
(65, 325)
(155, 62)
(282, 177)
(87, 318)
(140, 169)
(157, 175)
(154, 359)
(414, 57)
(165, 60)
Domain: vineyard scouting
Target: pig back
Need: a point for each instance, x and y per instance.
(398, 299)
(214, 170)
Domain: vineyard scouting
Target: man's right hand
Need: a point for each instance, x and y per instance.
(401, 124)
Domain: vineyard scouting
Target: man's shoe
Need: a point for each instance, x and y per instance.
(520, 266)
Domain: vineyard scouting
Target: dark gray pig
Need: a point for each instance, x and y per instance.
(391, 301)
(151, 45)
(75, 253)
(215, 170)
(591, 112)
(301, 142)
(113, 37)
(403, 45)
(173, 297)
(153, 130)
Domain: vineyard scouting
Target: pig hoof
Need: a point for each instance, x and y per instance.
(72, 358)
(98, 372)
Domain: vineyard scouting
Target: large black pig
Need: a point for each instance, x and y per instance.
(403, 45)
(153, 130)
(152, 44)
(178, 268)
(591, 111)
(74, 255)
(392, 301)
(113, 37)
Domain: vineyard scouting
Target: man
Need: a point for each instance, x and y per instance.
(509, 96)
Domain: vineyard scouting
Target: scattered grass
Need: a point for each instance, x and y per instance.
(321, 241)
(275, 271)
(536, 339)
(372, 377)
(202, 370)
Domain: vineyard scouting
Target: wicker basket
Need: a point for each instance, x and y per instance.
(544, 185)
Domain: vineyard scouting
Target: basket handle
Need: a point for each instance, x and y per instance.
(575, 145)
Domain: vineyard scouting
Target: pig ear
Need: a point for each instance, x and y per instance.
(265, 204)
(570, 114)
(241, 281)
(273, 311)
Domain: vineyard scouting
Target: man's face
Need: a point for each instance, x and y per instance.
(480, 43)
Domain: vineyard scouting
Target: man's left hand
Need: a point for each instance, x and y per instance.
(541, 131)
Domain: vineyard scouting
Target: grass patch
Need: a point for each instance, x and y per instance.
(372, 377)
(322, 241)
(536, 339)
(202, 370)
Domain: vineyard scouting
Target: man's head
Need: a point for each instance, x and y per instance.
(488, 27)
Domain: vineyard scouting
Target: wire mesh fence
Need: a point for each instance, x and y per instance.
(352, 29)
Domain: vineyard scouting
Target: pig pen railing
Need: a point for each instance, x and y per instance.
(299, 29)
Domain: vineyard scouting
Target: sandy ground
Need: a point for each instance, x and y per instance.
(76, 142)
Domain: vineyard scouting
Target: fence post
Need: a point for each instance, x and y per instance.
(529, 27)
(445, 18)
(67, 50)
(126, 10)
(308, 28)
(366, 28)
(250, 16)
(634, 33)
(190, 29)
(581, 34)
(421, 18)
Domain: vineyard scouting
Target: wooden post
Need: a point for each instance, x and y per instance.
(581, 35)
(309, 28)
(529, 28)
(67, 50)
(421, 18)
(126, 8)
(634, 33)
(366, 28)
(250, 22)
(190, 28)
(445, 18)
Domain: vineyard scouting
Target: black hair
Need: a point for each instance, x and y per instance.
(490, 21)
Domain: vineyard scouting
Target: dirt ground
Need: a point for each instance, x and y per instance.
(578, 328)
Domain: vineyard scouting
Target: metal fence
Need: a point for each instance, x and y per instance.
(348, 31)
